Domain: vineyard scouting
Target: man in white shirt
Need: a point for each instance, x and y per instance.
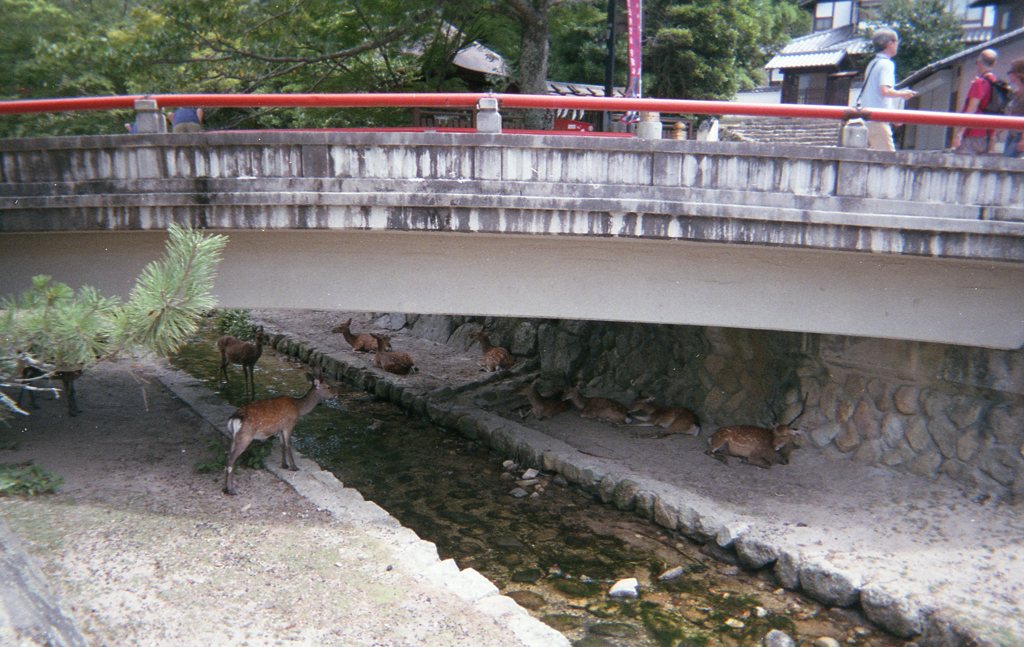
(878, 91)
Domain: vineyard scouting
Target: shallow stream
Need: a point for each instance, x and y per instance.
(557, 553)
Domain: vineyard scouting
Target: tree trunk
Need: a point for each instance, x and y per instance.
(534, 45)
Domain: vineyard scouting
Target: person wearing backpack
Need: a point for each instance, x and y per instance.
(1014, 145)
(978, 141)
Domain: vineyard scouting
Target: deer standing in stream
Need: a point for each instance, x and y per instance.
(235, 351)
(264, 419)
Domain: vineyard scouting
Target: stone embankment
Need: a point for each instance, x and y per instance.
(918, 557)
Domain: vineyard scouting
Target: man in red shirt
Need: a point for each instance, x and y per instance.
(978, 141)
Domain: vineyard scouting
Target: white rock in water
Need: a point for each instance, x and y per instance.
(530, 474)
(626, 588)
(825, 641)
(672, 574)
(735, 623)
(776, 638)
(519, 493)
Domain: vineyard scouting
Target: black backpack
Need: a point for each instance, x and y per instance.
(1000, 97)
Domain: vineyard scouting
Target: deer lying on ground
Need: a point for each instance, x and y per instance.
(543, 407)
(757, 446)
(362, 342)
(673, 420)
(392, 361)
(235, 351)
(264, 419)
(604, 409)
(495, 358)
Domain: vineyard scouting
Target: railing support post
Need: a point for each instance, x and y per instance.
(148, 117)
(854, 134)
(488, 119)
(649, 126)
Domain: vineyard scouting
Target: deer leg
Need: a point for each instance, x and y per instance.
(224, 365)
(287, 458)
(252, 382)
(713, 452)
(69, 391)
(238, 445)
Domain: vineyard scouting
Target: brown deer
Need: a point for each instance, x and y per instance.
(543, 407)
(235, 351)
(362, 342)
(604, 409)
(264, 419)
(29, 370)
(495, 358)
(672, 420)
(757, 446)
(392, 361)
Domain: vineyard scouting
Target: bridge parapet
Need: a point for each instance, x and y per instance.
(910, 203)
(914, 246)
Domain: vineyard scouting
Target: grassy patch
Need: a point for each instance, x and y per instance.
(27, 479)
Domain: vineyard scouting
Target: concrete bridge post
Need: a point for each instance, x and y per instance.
(855, 134)
(488, 119)
(148, 117)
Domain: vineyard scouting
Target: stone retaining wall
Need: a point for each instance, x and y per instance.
(930, 409)
(749, 360)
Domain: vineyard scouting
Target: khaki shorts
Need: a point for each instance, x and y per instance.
(880, 136)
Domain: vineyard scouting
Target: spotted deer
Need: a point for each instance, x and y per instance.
(361, 342)
(264, 419)
(672, 420)
(395, 362)
(757, 446)
(597, 408)
(540, 406)
(495, 358)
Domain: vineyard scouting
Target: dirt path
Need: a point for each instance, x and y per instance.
(144, 550)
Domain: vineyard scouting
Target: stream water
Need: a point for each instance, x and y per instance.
(556, 554)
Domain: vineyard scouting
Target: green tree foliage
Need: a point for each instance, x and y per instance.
(928, 30)
(710, 49)
(68, 330)
(692, 49)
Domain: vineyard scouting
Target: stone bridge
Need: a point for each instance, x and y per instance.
(914, 245)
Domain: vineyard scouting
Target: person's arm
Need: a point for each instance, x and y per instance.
(972, 107)
(888, 91)
(199, 114)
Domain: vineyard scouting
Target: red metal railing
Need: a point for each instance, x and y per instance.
(469, 100)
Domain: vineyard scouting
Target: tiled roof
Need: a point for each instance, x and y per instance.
(810, 59)
(829, 45)
(949, 61)
(581, 89)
